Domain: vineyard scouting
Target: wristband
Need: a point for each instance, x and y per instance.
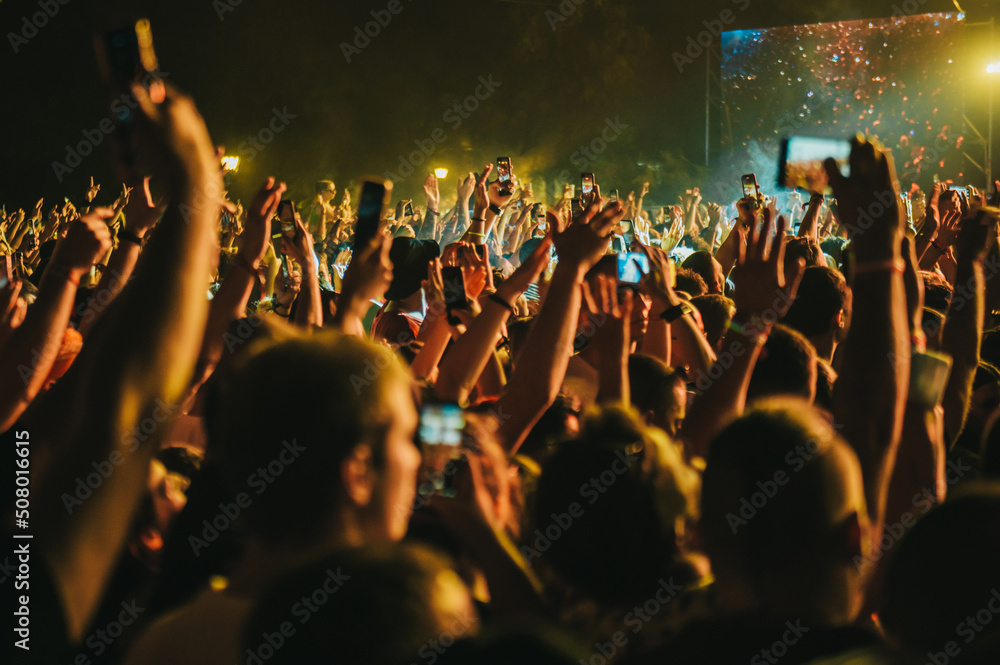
(128, 236)
(478, 219)
(500, 301)
(671, 314)
(475, 233)
(494, 208)
(433, 212)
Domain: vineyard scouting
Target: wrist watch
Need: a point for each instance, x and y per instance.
(677, 311)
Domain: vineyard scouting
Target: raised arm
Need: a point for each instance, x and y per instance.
(762, 295)
(31, 350)
(809, 226)
(139, 360)
(870, 393)
(140, 217)
(963, 325)
(541, 366)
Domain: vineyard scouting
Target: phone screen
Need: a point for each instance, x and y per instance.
(628, 231)
(801, 162)
(749, 182)
(374, 194)
(503, 169)
(632, 267)
(127, 55)
(586, 183)
(440, 434)
(454, 288)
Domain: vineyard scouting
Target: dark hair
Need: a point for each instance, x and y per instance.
(703, 263)
(325, 394)
(613, 542)
(776, 436)
(690, 283)
(651, 383)
(786, 366)
(803, 248)
(371, 605)
(937, 291)
(716, 313)
(943, 572)
(822, 294)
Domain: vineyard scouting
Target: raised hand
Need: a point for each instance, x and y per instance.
(527, 272)
(86, 241)
(763, 292)
(141, 212)
(976, 235)
(584, 240)
(92, 190)
(948, 230)
(300, 245)
(466, 186)
(257, 231)
(431, 191)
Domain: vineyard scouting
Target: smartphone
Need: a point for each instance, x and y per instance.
(503, 175)
(632, 267)
(628, 231)
(440, 434)
(538, 211)
(408, 209)
(375, 194)
(586, 187)
(127, 56)
(286, 217)
(800, 165)
(750, 187)
(454, 288)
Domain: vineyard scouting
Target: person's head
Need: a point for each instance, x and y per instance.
(326, 190)
(690, 283)
(716, 313)
(783, 514)
(609, 509)
(937, 291)
(806, 249)
(710, 270)
(369, 605)
(658, 392)
(822, 305)
(942, 582)
(331, 458)
(641, 302)
(410, 258)
(787, 366)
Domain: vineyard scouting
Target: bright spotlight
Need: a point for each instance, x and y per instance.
(441, 173)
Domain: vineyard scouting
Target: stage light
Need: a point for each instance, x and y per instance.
(441, 173)
(231, 163)
(993, 68)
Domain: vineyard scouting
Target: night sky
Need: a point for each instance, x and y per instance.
(551, 77)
